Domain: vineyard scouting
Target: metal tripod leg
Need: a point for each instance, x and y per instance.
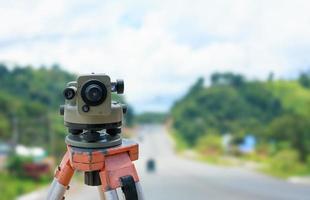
(139, 191)
(56, 191)
(111, 195)
(101, 194)
(61, 181)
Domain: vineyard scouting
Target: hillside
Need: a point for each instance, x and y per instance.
(293, 96)
(29, 106)
(276, 112)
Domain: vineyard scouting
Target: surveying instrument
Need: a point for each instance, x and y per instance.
(94, 144)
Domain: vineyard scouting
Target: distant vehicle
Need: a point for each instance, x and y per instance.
(151, 165)
(36, 170)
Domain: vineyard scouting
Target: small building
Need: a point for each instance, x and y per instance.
(5, 149)
(248, 145)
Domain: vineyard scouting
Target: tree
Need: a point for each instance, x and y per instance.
(33, 97)
(294, 129)
(304, 80)
(236, 80)
(129, 116)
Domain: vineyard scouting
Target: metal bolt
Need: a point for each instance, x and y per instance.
(85, 108)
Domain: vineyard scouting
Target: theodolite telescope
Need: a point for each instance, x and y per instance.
(89, 112)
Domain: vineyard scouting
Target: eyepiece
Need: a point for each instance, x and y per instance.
(93, 92)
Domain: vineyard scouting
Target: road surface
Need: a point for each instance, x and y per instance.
(180, 179)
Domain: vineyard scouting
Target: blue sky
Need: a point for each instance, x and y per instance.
(159, 47)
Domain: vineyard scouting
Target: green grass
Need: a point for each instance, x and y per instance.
(282, 164)
(180, 143)
(216, 160)
(285, 163)
(299, 170)
(12, 187)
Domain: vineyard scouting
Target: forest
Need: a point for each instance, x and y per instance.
(275, 112)
(29, 106)
(29, 115)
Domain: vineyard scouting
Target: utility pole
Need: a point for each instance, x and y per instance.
(50, 134)
(15, 134)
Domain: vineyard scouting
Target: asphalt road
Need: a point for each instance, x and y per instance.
(178, 178)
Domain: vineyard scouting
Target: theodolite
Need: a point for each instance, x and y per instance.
(94, 142)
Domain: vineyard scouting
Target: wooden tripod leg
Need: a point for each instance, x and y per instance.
(116, 166)
(63, 175)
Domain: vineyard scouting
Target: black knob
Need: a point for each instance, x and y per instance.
(120, 86)
(124, 107)
(62, 109)
(69, 93)
(85, 108)
(75, 131)
(113, 131)
(92, 178)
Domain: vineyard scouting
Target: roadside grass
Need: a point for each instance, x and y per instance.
(217, 160)
(11, 186)
(272, 166)
(180, 144)
(298, 170)
(282, 164)
(183, 149)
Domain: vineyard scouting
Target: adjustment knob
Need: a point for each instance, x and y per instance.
(69, 93)
(124, 107)
(119, 86)
(62, 110)
(113, 131)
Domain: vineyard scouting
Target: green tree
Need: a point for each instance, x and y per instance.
(294, 129)
(276, 111)
(228, 78)
(32, 97)
(129, 116)
(304, 80)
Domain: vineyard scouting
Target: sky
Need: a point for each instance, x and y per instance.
(159, 48)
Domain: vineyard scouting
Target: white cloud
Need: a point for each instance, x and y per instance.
(159, 48)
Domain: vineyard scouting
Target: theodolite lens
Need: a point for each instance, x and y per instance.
(93, 93)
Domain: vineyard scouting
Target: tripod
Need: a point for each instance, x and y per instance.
(109, 167)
